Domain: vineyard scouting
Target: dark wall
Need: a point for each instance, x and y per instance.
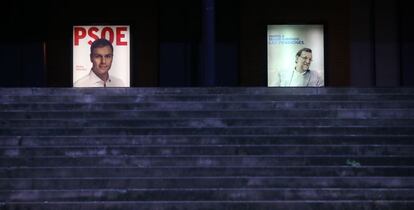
(181, 43)
(368, 43)
(381, 43)
(180, 32)
(22, 45)
(406, 19)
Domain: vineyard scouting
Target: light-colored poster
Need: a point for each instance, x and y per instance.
(101, 56)
(295, 56)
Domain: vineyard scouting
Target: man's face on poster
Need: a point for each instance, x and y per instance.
(303, 61)
(101, 59)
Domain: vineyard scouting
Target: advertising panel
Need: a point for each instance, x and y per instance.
(101, 56)
(295, 56)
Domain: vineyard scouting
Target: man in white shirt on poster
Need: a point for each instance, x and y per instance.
(301, 76)
(101, 57)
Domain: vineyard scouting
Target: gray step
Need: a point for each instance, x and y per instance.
(218, 194)
(270, 171)
(208, 205)
(200, 161)
(202, 140)
(203, 90)
(205, 183)
(203, 98)
(387, 114)
(207, 150)
(248, 130)
(194, 106)
(199, 122)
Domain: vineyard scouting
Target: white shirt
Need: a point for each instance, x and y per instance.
(92, 80)
(298, 79)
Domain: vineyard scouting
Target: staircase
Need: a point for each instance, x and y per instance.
(206, 148)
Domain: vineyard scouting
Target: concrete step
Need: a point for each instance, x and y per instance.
(217, 194)
(248, 130)
(269, 171)
(131, 140)
(206, 161)
(206, 148)
(203, 90)
(202, 98)
(205, 183)
(212, 150)
(207, 205)
(384, 114)
(210, 106)
(200, 123)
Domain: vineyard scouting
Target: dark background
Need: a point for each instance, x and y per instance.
(368, 43)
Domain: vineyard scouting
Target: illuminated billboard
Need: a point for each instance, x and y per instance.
(295, 56)
(101, 56)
